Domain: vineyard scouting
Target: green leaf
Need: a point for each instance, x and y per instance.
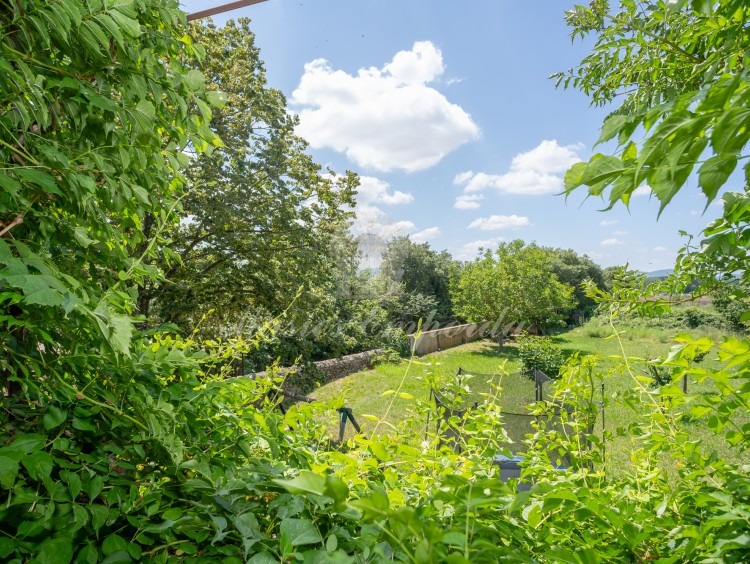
(704, 7)
(146, 108)
(216, 98)
(38, 464)
(8, 184)
(297, 532)
(714, 173)
(84, 424)
(730, 133)
(82, 236)
(336, 489)
(306, 482)
(88, 555)
(54, 417)
(611, 127)
(7, 547)
(114, 543)
(332, 543)
(263, 558)
(58, 550)
(8, 471)
(194, 80)
(45, 297)
(602, 168)
(28, 443)
(40, 178)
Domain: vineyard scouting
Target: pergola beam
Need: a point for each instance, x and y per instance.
(221, 9)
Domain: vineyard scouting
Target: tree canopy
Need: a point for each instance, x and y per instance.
(260, 216)
(514, 283)
(423, 276)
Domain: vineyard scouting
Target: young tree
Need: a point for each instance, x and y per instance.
(516, 284)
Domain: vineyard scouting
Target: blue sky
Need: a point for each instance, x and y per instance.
(447, 112)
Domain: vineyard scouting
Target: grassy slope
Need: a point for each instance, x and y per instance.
(363, 391)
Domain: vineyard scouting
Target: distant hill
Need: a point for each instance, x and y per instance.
(663, 273)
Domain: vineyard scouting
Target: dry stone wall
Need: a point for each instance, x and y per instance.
(439, 339)
(298, 378)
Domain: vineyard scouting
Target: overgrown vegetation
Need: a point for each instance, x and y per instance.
(121, 442)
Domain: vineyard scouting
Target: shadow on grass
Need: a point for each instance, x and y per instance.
(493, 350)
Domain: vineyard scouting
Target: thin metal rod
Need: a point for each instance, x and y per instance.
(221, 9)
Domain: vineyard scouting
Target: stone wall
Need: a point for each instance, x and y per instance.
(439, 339)
(298, 382)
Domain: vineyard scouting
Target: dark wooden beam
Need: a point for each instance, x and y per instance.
(221, 9)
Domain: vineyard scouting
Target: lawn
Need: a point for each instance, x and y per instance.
(371, 395)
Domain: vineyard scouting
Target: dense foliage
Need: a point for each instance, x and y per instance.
(261, 219)
(515, 284)
(122, 445)
(541, 353)
(420, 277)
(679, 70)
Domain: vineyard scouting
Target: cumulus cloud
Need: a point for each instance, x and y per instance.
(383, 118)
(610, 242)
(607, 222)
(471, 249)
(644, 190)
(498, 222)
(620, 233)
(374, 190)
(533, 173)
(468, 202)
(425, 235)
(660, 249)
(372, 220)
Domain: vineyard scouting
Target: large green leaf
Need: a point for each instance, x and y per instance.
(714, 173)
(297, 532)
(58, 550)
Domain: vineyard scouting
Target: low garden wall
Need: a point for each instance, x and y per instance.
(302, 379)
(431, 341)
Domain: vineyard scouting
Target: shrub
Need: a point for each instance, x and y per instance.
(541, 353)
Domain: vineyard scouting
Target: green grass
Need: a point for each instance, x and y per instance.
(363, 392)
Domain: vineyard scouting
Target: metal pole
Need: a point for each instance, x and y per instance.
(221, 9)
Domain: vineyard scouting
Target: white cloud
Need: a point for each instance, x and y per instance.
(462, 177)
(425, 235)
(610, 242)
(468, 201)
(497, 222)
(470, 250)
(386, 118)
(371, 220)
(374, 190)
(644, 190)
(534, 173)
(620, 233)
(595, 255)
(607, 222)
(660, 249)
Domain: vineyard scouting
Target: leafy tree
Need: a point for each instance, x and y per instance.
(573, 269)
(679, 71)
(260, 215)
(423, 276)
(515, 283)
